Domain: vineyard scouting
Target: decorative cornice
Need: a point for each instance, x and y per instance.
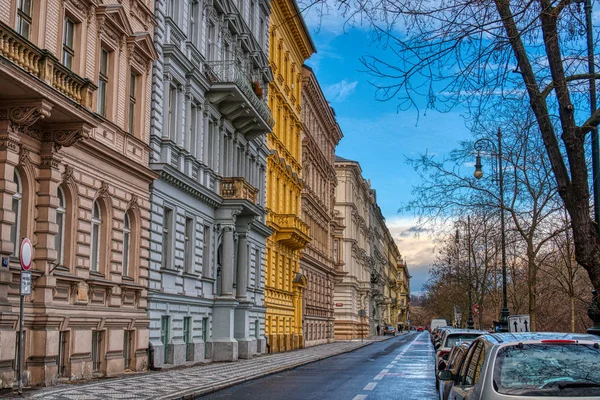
(171, 176)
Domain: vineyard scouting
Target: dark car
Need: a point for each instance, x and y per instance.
(389, 330)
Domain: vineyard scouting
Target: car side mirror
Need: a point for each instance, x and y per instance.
(445, 375)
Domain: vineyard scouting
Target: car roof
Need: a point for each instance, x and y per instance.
(459, 331)
(516, 337)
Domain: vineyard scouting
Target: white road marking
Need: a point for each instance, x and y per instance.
(378, 377)
(360, 397)
(390, 366)
(370, 386)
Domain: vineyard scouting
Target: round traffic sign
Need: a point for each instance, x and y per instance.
(26, 254)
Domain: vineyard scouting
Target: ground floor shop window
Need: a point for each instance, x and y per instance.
(96, 340)
(187, 337)
(61, 358)
(127, 347)
(164, 336)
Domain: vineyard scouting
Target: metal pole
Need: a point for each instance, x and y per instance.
(595, 142)
(20, 355)
(470, 323)
(504, 313)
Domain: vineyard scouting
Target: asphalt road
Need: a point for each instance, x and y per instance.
(400, 368)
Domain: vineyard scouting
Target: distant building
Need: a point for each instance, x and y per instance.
(320, 136)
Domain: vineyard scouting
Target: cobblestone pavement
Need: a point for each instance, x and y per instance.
(193, 381)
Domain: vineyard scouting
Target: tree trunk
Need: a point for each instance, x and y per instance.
(532, 286)
(572, 299)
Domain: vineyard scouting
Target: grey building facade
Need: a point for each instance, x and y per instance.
(208, 232)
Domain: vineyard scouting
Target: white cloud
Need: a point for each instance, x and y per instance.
(340, 91)
(418, 251)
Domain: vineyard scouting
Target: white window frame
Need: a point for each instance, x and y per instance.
(126, 244)
(59, 239)
(17, 199)
(95, 240)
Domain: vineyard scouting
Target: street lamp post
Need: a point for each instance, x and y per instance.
(479, 145)
(470, 322)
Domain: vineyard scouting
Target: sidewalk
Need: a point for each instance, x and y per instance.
(188, 383)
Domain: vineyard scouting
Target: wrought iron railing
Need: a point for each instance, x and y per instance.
(230, 72)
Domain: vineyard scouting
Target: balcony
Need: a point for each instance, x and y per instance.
(45, 66)
(231, 91)
(289, 229)
(238, 189)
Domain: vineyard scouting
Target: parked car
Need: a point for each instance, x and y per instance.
(530, 366)
(452, 337)
(420, 329)
(389, 330)
(455, 359)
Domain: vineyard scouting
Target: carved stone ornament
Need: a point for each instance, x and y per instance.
(103, 191)
(27, 116)
(133, 203)
(67, 136)
(24, 158)
(67, 176)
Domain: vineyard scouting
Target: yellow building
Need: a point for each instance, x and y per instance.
(290, 46)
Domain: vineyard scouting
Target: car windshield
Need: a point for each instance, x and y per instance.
(554, 370)
(453, 339)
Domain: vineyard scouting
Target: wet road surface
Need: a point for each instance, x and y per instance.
(400, 368)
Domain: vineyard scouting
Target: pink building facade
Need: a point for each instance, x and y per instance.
(75, 80)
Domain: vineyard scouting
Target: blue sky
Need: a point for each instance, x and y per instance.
(376, 135)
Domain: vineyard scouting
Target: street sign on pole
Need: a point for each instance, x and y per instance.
(519, 323)
(25, 283)
(26, 258)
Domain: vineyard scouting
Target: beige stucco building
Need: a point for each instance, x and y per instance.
(320, 135)
(74, 122)
(370, 292)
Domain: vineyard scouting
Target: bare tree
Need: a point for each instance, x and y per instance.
(471, 52)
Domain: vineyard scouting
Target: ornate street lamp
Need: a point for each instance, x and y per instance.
(481, 145)
(470, 322)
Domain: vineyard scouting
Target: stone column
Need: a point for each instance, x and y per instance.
(227, 263)
(242, 266)
(44, 333)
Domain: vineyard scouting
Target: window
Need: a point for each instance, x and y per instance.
(24, 11)
(336, 251)
(166, 243)
(15, 229)
(187, 338)
(59, 238)
(126, 244)
(96, 339)
(132, 100)
(61, 358)
(95, 240)
(127, 341)
(68, 40)
(103, 82)
(192, 140)
(171, 112)
(164, 336)
(188, 245)
(210, 42)
(194, 22)
(172, 9)
(206, 250)
(256, 329)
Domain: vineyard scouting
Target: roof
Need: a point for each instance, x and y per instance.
(342, 159)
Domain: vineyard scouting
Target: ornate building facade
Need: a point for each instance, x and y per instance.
(75, 82)
(370, 292)
(209, 120)
(403, 308)
(290, 46)
(320, 135)
(353, 202)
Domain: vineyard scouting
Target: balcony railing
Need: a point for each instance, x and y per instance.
(238, 188)
(45, 66)
(231, 72)
(289, 230)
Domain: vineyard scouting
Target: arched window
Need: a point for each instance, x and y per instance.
(126, 244)
(95, 241)
(59, 239)
(15, 229)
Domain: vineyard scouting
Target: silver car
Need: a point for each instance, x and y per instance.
(503, 366)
